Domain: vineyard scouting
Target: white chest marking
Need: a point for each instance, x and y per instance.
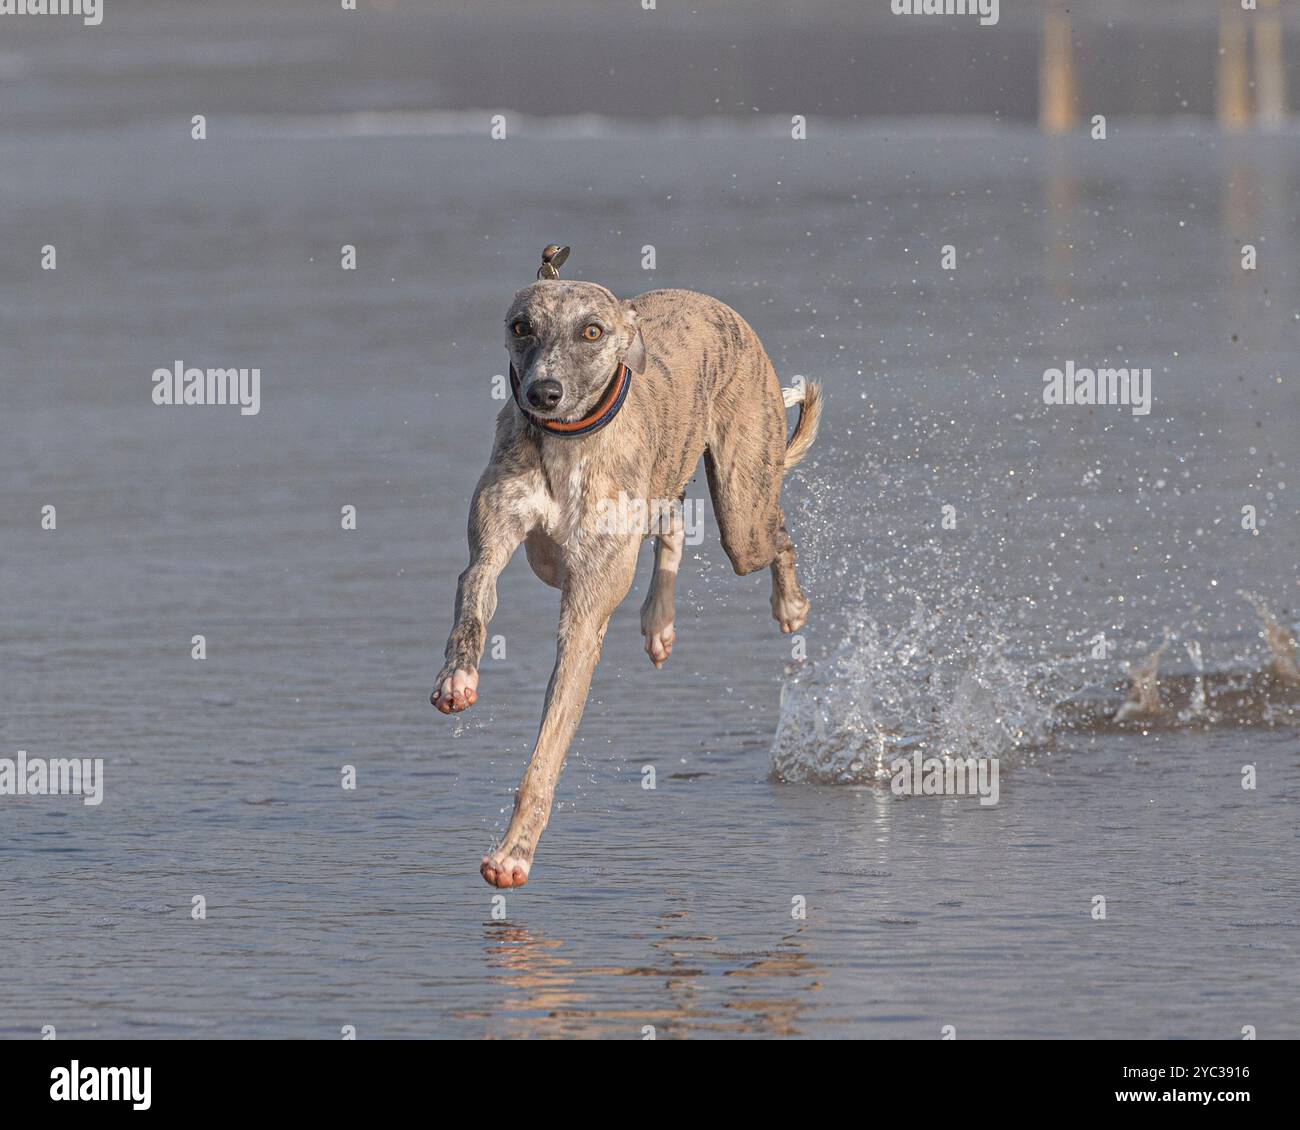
(556, 504)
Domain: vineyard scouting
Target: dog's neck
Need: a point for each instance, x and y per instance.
(607, 407)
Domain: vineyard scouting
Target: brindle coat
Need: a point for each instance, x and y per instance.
(703, 386)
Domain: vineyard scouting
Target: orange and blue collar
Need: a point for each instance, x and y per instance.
(606, 409)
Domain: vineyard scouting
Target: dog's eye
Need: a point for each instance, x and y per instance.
(520, 327)
(592, 332)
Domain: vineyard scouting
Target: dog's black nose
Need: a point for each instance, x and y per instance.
(545, 393)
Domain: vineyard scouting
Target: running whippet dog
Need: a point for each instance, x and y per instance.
(617, 399)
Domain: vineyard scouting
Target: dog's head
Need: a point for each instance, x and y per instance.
(566, 341)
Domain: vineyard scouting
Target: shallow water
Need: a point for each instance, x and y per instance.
(670, 907)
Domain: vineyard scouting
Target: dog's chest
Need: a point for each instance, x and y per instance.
(558, 500)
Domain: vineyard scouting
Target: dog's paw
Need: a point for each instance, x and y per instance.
(791, 613)
(659, 644)
(504, 871)
(455, 690)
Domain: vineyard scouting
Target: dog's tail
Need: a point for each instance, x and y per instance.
(808, 395)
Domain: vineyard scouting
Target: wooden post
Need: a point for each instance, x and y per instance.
(1057, 96)
(1270, 68)
(1232, 89)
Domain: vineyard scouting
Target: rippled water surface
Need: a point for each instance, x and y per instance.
(675, 907)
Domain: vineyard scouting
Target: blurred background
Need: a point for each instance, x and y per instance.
(1044, 60)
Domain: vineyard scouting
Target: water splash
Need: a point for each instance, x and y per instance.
(944, 684)
(1199, 706)
(937, 684)
(1144, 693)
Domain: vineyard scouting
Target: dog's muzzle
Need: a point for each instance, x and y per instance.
(606, 408)
(545, 394)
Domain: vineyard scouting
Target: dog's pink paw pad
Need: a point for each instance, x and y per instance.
(505, 873)
(456, 692)
(659, 644)
(791, 615)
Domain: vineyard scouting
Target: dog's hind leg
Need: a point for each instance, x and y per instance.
(659, 610)
(752, 526)
(745, 461)
(587, 601)
(789, 605)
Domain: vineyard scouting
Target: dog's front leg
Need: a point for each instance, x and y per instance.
(495, 531)
(659, 609)
(590, 595)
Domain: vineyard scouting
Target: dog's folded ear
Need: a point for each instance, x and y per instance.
(635, 359)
